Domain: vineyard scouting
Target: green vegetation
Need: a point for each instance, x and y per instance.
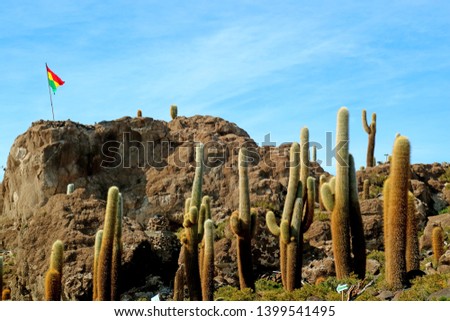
(445, 178)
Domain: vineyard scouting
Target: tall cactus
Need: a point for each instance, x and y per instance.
(208, 262)
(340, 231)
(397, 213)
(412, 240)
(371, 130)
(106, 250)
(243, 224)
(356, 224)
(173, 111)
(438, 244)
(191, 228)
(340, 196)
(97, 246)
(139, 113)
(292, 194)
(117, 252)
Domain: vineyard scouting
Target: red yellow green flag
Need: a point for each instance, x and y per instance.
(53, 80)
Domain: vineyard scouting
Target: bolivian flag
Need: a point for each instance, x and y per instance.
(53, 80)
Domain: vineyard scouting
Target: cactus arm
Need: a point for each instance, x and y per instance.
(304, 158)
(294, 176)
(235, 224)
(272, 224)
(364, 122)
(97, 246)
(310, 204)
(327, 197)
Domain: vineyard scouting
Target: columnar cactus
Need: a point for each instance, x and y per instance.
(196, 197)
(314, 153)
(53, 285)
(117, 252)
(70, 188)
(243, 224)
(173, 111)
(139, 113)
(191, 227)
(412, 240)
(366, 189)
(191, 261)
(208, 262)
(106, 250)
(304, 159)
(57, 258)
(437, 244)
(340, 196)
(322, 180)
(340, 231)
(397, 214)
(371, 131)
(204, 215)
(356, 224)
(178, 285)
(291, 228)
(97, 246)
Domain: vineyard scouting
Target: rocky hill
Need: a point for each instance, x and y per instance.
(152, 163)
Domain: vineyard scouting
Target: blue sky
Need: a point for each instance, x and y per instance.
(268, 68)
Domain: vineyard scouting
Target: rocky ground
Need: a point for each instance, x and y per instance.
(152, 163)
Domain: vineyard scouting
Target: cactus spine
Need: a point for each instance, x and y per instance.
(106, 250)
(208, 262)
(117, 252)
(243, 224)
(438, 244)
(412, 240)
(70, 188)
(371, 131)
(173, 111)
(397, 213)
(97, 246)
(53, 285)
(366, 189)
(178, 286)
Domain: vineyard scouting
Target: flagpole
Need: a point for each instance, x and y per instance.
(49, 92)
